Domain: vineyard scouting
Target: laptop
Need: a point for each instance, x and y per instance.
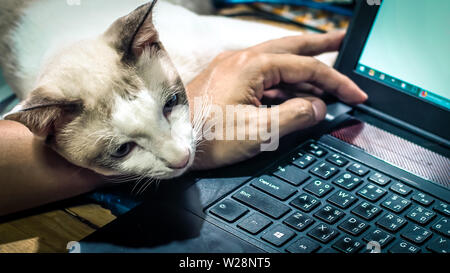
(370, 178)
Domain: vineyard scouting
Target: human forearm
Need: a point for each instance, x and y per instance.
(31, 174)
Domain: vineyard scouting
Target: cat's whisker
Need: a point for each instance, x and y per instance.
(200, 116)
(147, 178)
(117, 181)
(143, 186)
(157, 182)
(120, 178)
(147, 184)
(137, 183)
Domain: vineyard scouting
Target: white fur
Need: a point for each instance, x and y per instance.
(160, 139)
(142, 121)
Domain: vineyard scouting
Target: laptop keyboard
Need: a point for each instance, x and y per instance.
(320, 201)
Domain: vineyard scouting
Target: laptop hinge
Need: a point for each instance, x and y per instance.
(404, 125)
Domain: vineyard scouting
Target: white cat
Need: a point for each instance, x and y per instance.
(107, 93)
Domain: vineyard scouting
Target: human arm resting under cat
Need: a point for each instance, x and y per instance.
(31, 174)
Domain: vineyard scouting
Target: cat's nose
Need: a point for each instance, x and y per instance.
(180, 164)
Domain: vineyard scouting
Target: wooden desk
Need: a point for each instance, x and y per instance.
(50, 231)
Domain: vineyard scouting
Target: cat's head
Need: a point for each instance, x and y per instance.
(114, 104)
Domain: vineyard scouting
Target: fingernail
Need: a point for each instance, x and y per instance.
(320, 109)
(365, 96)
(340, 32)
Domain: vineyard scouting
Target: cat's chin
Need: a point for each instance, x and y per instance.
(176, 172)
(105, 172)
(169, 174)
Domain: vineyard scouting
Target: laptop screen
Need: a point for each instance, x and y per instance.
(408, 49)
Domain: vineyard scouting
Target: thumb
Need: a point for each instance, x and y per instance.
(300, 113)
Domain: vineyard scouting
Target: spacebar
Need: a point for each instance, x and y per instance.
(262, 202)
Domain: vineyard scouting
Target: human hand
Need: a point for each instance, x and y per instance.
(280, 68)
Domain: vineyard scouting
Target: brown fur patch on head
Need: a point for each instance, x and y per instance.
(132, 33)
(44, 114)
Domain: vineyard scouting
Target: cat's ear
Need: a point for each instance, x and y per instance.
(131, 34)
(44, 114)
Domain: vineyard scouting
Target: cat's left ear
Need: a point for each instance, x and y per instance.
(131, 34)
(43, 114)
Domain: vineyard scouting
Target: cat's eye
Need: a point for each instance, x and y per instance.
(172, 102)
(123, 150)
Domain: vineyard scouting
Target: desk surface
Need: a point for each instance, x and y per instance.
(51, 231)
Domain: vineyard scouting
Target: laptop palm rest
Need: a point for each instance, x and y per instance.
(163, 227)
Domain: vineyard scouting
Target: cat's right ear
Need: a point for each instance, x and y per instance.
(43, 114)
(131, 34)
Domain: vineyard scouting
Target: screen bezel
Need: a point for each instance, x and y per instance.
(388, 100)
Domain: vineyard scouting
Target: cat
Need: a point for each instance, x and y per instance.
(103, 82)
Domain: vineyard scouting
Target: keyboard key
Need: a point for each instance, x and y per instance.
(291, 174)
(274, 186)
(443, 208)
(396, 203)
(442, 227)
(262, 202)
(323, 233)
(391, 222)
(380, 179)
(416, 234)
(401, 189)
(404, 247)
(422, 198)
(371, 192)
(304, 161)
(314, 149)
(337, 160)
(377, 235)
(342, 199)
(347, 181)
(303, 245)
(296, 155)
(324, 170)
(329, 214)
(358, 169)
(318, 188)
(305, 202)
(439, 245)
(421, 215)
(255, 223)
(347, 244)
(278, 235)
(353, 226)
(366, 210)
(228, 210)
(299, 221)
